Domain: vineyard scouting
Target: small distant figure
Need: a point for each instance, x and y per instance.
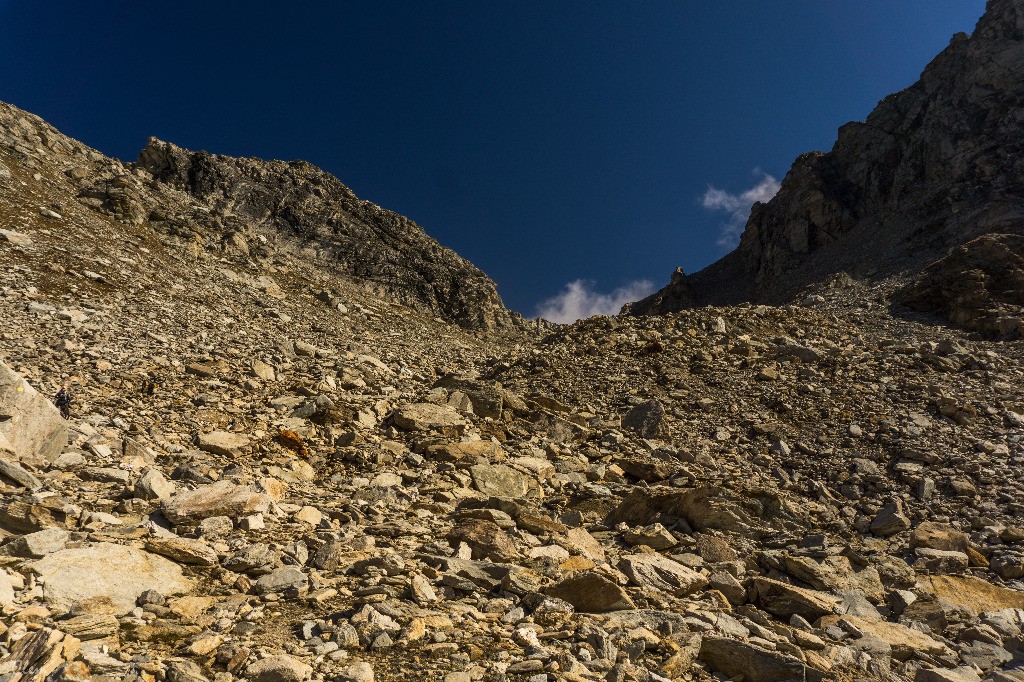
(63, 402)
(149, 385)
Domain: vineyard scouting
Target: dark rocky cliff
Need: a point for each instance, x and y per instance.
(932, 167)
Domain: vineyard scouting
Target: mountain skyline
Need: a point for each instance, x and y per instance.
(570, 155)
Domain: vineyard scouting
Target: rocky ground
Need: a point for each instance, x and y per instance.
(325, 484)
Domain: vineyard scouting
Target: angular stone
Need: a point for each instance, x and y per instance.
(453, 452)
(973, 594)
(785, 600)
(486, 540)
(656, 572)
(219, 499)
(428, 417)
(645, 419)
(499, 480)
(183, 550)
(222, 443)
(281, 580)
(940, 561)
(17, 474)
(36, 545)
(904, 641)
(591, 592)
(106, 570)
(152, 485)
(278, 668)
(753, 663)
(357, 672)
(890, 520)
(941, 536)
(655, 536)
(580, 541)
(31, 428)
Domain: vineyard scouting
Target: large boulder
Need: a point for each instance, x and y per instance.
(219, 499)
(106, 570)
(31, 428)
(428, 417)
(753, 663)
(591, 592)
(656, 572)
(499, 480)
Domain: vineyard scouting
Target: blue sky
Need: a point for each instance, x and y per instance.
(547, 141)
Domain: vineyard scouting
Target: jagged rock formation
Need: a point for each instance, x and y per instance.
(251, 209)
(932, 167)
(980, 286)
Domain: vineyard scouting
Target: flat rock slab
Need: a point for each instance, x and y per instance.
(591, 592)
(278, 669)
(184, 550)
(974, 594)
(753, 663)
(106, 570)
(785, 600)
(31, 428)
(222, 443)
(427, 417)
(218, 499)
(499, 480)
(653, 571)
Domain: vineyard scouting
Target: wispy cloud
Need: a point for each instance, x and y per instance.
(579, 300)
(738, 206)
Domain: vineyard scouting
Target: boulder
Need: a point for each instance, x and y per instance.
(222, 443)
(943, 536)
(36, 545)
(485, 539)
(655, 536)
(499, 480)
(102, 569)
(279, 668)
(890, 520)
(785, 600)
(645, 419)
(753, 663)
(31, 428)
(428, 417)
(656, 572)
(904, 641)
(973, 594)
(183, 550)
(218, 499)
(591, 592)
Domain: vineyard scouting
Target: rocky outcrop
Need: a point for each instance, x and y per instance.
(252, 201)
(931, 168)
(979, 285)
(253, 211)
(31, 428)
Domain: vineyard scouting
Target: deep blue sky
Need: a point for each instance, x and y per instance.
(545, 140)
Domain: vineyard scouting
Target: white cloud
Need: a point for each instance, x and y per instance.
(738, 206)
(579, 300)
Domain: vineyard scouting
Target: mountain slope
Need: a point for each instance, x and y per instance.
(932, 167)
(251, 210)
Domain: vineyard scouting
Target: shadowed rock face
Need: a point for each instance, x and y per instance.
(932, 167)
(297, 201)
(979, 285)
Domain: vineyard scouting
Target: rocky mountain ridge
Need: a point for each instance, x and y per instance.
(933, 167)
(250, 209)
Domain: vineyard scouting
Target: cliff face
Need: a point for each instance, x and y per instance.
(932, 167)
(251, 210)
